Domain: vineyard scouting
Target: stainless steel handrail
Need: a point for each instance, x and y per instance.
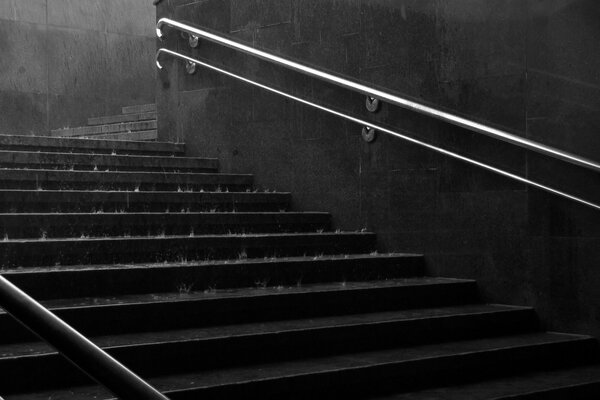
(84, 354)
(381, 95)
(377, 127)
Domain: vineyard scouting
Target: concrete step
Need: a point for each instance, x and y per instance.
(103, 162)
(39, 252)
(18, 226)
(40, 179)
(143, 108)
(183, 309)
(56, 201)
(362, 374)
(572, 383)
(64, 282)
(265, 342)
(117, 119)
(72, 145)
(91, 131)
(139, 136)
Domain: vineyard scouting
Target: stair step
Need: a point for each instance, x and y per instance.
(19, 226)
(140, 136)
(143, 108)
(37, 252)
(104, 129)
(115, 315)
(117, 119)
(360, 374)
(13, 201)
(243, 344)
(40, 179)
(102, 162)
(121, 279)
(63, 145)
(573, 383)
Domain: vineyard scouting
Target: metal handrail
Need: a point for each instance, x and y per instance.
(84, 354)
(381, 95)
(377, 127)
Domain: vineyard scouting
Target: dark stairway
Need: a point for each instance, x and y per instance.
(213, 290)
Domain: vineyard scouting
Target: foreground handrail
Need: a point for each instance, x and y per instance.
(378, 94)
(75, 347)
(377, 127)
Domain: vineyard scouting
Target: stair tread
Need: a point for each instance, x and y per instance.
(505, 388)
(218, 294)
(265, 328)
(227, 216)
(244, 236)
(122, 173)
(331, 365)
(106, 156)
(121, 199)
(69, 192)
(137, 136)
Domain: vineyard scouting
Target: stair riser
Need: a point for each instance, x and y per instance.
(110, 168)
(244, 350)
(99, 225)
(99, 251)
(126, 318)
(61, 161)
(139, 109)
(66, 145)
(139, 136)
(398, 377)
(48, 201)
(105, 129)
(80, 180)
(98, 282)
(117, 119)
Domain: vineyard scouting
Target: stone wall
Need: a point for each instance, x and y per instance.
(66, 60)
(529, 67)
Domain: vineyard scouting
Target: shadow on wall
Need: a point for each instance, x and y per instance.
(65, 61)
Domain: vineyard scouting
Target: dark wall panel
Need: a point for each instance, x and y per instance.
(498, 61)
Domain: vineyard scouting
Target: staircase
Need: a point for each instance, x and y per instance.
(136, 123)
(212, 289)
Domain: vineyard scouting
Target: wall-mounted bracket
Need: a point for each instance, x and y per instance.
(372, 104)
(191, 67)
(193, 40)
(369, 134)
